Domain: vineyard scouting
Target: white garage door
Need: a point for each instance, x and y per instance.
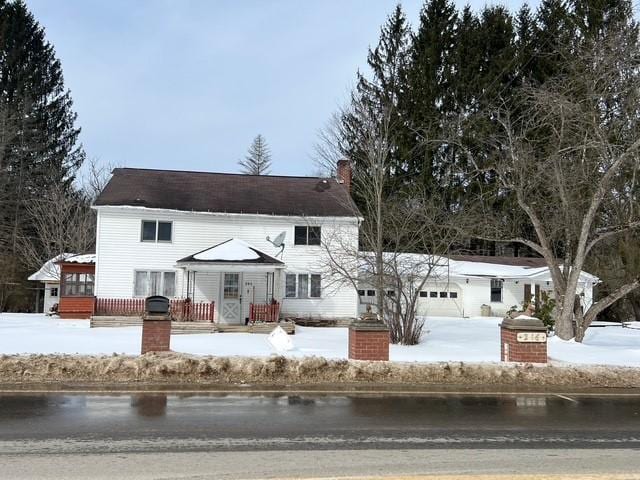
(441, 301)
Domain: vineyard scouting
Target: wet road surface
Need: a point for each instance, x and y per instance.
(259, 436)
(160, 422)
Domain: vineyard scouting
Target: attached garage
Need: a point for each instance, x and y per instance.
(441, 300)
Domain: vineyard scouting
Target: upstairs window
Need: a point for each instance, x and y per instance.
(156, 231)
(305, 235)
(54, 291)
(496, 290)
(77, 284)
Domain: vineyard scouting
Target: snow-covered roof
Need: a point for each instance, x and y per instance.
(84, 258)
(50, 270)
(231, 251)
(449, 268)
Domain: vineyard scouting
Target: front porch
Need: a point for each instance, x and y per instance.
(244, 283)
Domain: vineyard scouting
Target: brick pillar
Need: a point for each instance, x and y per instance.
(368, 338)
(156, 333)
(368, 344)
(523, 339)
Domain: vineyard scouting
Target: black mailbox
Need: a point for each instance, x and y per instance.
(156, 305)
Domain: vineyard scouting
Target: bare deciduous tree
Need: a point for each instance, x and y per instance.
(404, 236)
(568, 161)
(62, 222)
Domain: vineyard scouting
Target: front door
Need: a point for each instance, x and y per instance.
(230, 309)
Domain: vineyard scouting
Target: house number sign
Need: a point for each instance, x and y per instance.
(531, 337)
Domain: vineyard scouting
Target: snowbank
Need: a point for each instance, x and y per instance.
(178, 369)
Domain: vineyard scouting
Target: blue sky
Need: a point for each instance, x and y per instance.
(187, 84)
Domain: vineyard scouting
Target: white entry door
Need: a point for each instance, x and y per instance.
(230, 308)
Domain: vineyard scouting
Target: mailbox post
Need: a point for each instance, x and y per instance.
(156, 325)
(523, 339)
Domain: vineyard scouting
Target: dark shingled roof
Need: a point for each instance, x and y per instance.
(227, 193)
(532, 262)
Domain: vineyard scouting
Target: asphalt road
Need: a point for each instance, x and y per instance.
(314, 435)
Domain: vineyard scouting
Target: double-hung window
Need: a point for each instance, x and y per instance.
(496, 290)
(303, 285)
(148, 283)
(77, 284)
(156, 231)
(306, 235)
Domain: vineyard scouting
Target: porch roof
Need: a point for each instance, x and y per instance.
(232, 251)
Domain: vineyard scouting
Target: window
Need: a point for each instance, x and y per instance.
(391, 293)
(156, 231)
(78, 284)
(164, 231)
(496, 290)
(231, 287)
(148, 283)
(453, 294)
(316, 289)
(433, 294)
(443, 294)
(424, 294)
(169, 287)
(371, 293)
(290, 287)
(361, 293)
(54, 291)
(304, 235)
(304, 285)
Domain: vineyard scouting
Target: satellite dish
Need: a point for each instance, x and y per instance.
(278, 242)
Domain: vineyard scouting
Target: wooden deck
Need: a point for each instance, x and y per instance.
(178, 328)
(321, 322)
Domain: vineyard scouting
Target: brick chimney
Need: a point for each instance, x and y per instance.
(343, 173)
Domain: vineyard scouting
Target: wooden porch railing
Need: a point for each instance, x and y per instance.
(180, 309)
(264, 312)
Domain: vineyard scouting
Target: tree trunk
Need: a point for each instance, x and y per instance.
(634, 301)
(564, 324)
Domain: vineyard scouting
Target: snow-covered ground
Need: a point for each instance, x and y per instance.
(445, 339)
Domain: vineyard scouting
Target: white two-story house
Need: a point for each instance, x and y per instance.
(224, 239)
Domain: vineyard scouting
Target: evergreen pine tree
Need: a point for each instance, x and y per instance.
(382, 92)
(258, 158)
(38, 138)
(429, 96)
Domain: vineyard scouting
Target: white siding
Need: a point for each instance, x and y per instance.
(478, 292)
(120, 252)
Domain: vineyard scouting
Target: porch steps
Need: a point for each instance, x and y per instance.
(177, 328)
(185, 328)
(182, 328)
(98, 321)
